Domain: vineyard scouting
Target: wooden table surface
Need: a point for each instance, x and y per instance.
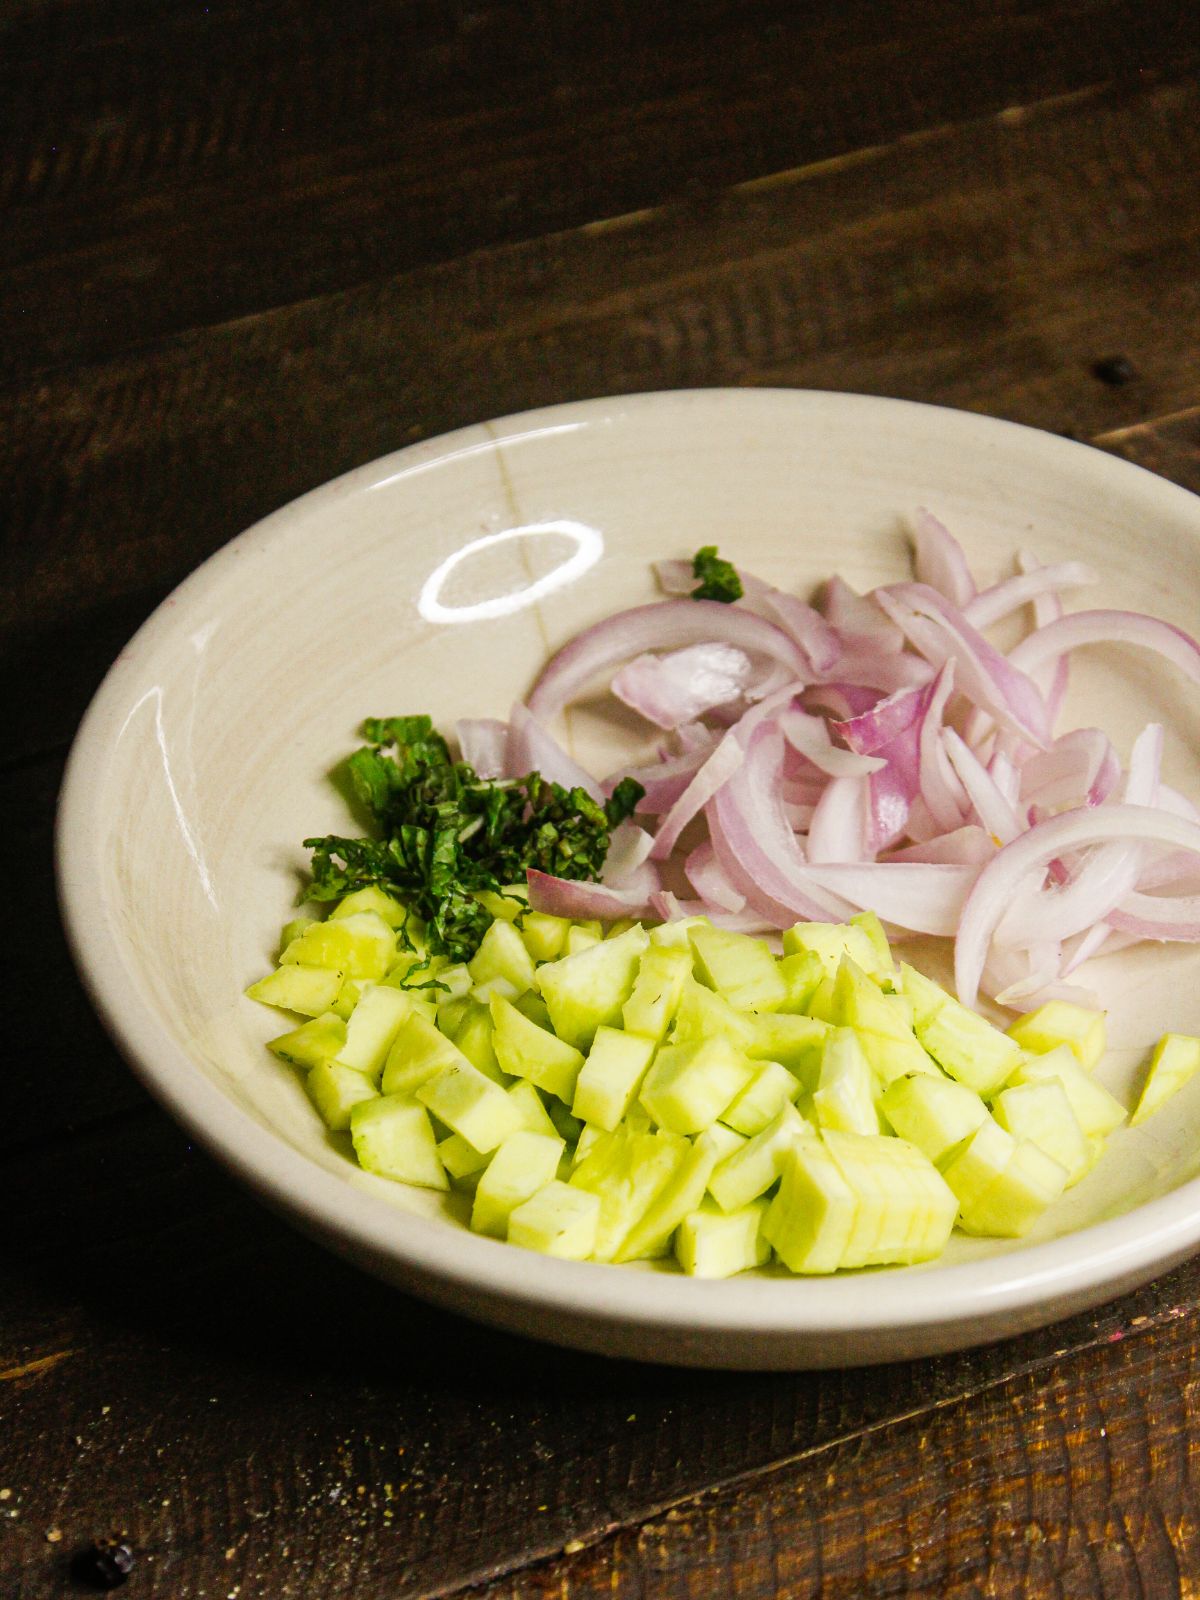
(250, 244)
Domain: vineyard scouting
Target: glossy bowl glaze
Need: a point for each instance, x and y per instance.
(437, 580)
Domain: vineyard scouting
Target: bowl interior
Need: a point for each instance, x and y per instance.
(438, 580)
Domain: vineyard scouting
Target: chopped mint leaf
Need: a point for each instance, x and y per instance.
(718, 578)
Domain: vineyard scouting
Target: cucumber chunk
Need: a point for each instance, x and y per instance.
(312, 1043)
(717, 1244)
(811, 1218)
(1041, 1113)
(362, 945)
(527, 1051)
(1059, 1022)
(704, 1014)
(470, 1104)
(753, 1166)
(801, 972)
(372, 1028)
(905, 1208)
(738, 967)
(844, 1099)
(934, 1113)
(661, 975)
(376, 900)
(393, 1137)
(545, 936)
(690, 1085)
(1175, 1060)
(502, 954)
(770, 1089)
(830, 941)
(796, 1042)
(609, 1079)
(524, 1163)
(558, 1221)
(1096, 1111)
(310, 991)
(681, 1194)
(627, 1171)
(587, 990)
(335, 1090)
(417, 1053)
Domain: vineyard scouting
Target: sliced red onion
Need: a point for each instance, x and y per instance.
(886, 720)
(1002, 770)
(703, 871)
(628, 848)
(1150, 916)
(483, 742)
(817, 638)
(1108, 627)
(939, 560)
(838, 828)
(1012, 866)
(563, 897)
(968, 846)
(1002, 599)
(532, 749)
(715, 772)
(668, 907)
(660, 626)
(940, 786)
(990, 804)
(1079, 768)
(682, 685)
(809, 736)
(859, 620)
(871, 669)
(924, 898)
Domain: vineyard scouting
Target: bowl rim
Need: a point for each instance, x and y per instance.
(1071, 1268)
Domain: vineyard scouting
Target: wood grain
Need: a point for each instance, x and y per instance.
(171, 167)
(986, 266)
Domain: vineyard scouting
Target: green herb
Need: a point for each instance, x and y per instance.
(446, 833)
(718, 578)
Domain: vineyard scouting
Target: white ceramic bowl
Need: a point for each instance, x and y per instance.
(203, 762)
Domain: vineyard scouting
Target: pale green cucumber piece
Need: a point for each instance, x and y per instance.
(451, 1015)
(844, 1099)
(394, 912)
(614, 930)
(703, 1014)
(610, 1078)
(455, 984)
(738, 967)
(627, 1171)
(926, 997)
(579, 939)
(689, 1085)
(372, 1028)
(1030, 1182)
(973, 1167)
(801, 973)
(742, 1174)
(587, 990)
(1041, 1113)
(883, 968)
(662, 972)
(470, 1104)
(535, 1117)
(820, 1002)
(1096, 1111)
(506, 906)
(796, 1042)
(859, 1002)
(677, 935)
(715, 1244)
(461, 1160)
(558, 1221)
(348, 996)
(905, 1208)
(586, 1142)
(306, 990)
(393, 1137)
(362, 945)
(334, 1090)
(770, 1089)
(830, 941)
(522, 1165)
(969, 1049)
(473, 1036)
(502, 954)
(934, 1113)
(545, 936)
(892, 1057)
(682, 1193)
(482, 993)
(1175, 1060)
(1060, 1022)
(811, 1218)
(292, 930)
(313, 1042)
(532, 1005)
(527, 1051)
(567, 1126)
(418, 1051)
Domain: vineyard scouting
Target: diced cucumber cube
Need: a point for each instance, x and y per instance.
(348, 996)
(527, 1051)
(372, 1028)
(926, 997)
(1176, 1059)
(858, 1002)
(703, 1014)
(748, 1171)
(292, 930)
(738, 967)
(393, 1137)
(461, 1160)
(306, 990)
(662, 973)
(844, 1099)
(831, 941)
(682, 1193)
(611, 1076)
(883, 967)
(811, 1218)
(580, 939)
(1059, 1022)
(535, 1117)
(1009, 1207)
(972, 1167)
(676, 935)
(470, 1104)
(506, 906)
(522, 1165)
(451, 1014)
(934, 1113)
(502, 954)
(545, 936)
(966, 1046)
(614, 930)
(905, 1208)
(334, 1090)
(361, 945)
(801, 973)
(820, 1002)
(586, 1142)
(627, 1170)
(418, 1051)
(689, 1085)
(313, 1042)
(715, 1244)
(455, 984)
(770, 1089)
(473, 1036)
(558, 1221)
(374, 899)
(796, 1042)
(1096, 1111)
(893, 1057)
(588, 990)
(1041, 1113)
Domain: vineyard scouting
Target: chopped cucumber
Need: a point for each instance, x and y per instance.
(470, 1104)
(689, 1085)
(830, 941)
(527, 1051)
(753, 1166)
(372, 1028)
(310, 991)
(312, 1043)
(770, 1089)
(611, 1076)
(797, 1043)
(716, 1244)
(418, 1051)
(661, 975)
(393, 1137)
(844, 1099)
(1041, 1113)
(1096, 1111)
(703, 1014)
(545, 936)
(738, 967)
(811, 1219)
(558, 1221)
(522, 1165)
(502, 954)
(588, 990)
(1059, 1022)
(1176, 1059)
(375, 900)
(361, 945)
(335, 1090)
(934, 1113)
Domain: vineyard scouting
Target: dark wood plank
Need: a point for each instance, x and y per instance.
(1076, 1480)
(265, 1400)
(166, 167)
(987, 267)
